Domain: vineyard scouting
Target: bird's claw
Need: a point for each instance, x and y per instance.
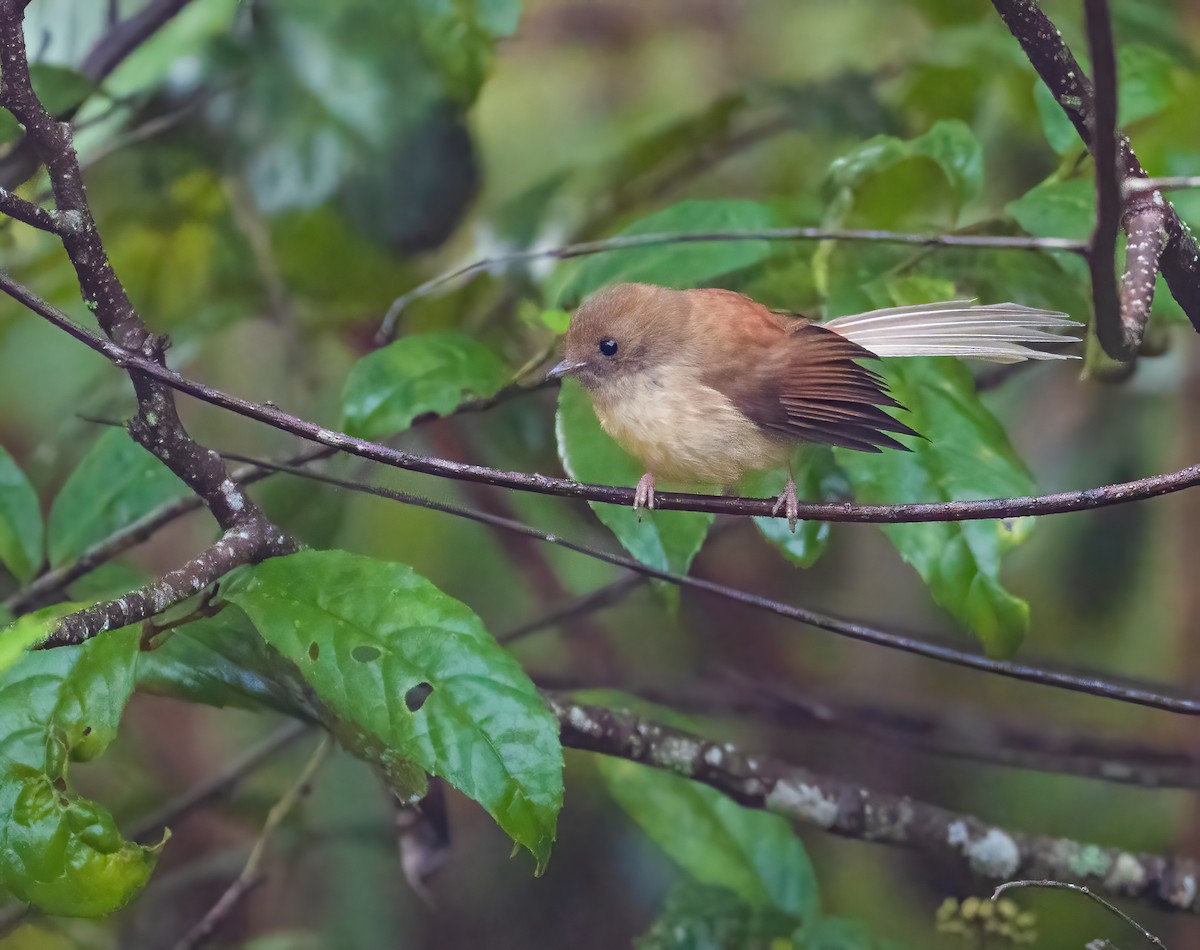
(790, 505)
(643, 495)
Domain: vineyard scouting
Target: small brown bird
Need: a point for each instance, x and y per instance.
(703, 386)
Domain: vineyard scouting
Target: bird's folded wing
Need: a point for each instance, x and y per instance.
(810, 387)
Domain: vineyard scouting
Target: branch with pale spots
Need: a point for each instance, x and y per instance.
(1075, 94)
(813, 800)
(239, 546)
(248, 535)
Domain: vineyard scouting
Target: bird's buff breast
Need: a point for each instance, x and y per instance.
(684, 431)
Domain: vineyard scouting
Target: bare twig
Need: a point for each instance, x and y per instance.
(1073, 681)
(844, 808)
(1086, 892)
(988, 509)
(27, 212)
(220, 784)
(598, 599)
(250, 876)
(1001, 242)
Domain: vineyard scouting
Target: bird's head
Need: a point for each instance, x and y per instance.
(622, 331)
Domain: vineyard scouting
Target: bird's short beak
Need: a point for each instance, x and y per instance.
(562, 369)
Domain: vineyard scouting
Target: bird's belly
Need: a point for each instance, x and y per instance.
(686, 433)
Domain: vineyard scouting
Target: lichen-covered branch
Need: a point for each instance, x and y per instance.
(841, 807)
(1146, 239)
(239, 546)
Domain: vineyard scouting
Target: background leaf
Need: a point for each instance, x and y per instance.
(752, 853)
(20, 521)
(366, 634)
(429, 372)
(114, 484)
(58, 850)
(672, 265)
(666, 540)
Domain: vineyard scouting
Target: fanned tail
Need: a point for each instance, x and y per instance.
(998, 333)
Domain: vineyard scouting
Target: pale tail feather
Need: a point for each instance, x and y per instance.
(997, 332)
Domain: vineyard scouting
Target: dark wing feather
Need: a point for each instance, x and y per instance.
(809, 386)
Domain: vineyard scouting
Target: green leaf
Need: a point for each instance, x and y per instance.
(59, 851)
(672, 265)
(20, 634)
(457, 36)
(666, 540)
(20, 521)
(407, 675)
(430, 372)
(754, 854)
(221, 661)
(817, 479)
(1146, 81)
(1057, 208)
(115, 483)
(61, 89)
(697, 917)
(837, 933)
(949, 144)
(967, 455)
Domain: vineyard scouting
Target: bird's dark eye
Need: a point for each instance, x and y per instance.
(608, 346)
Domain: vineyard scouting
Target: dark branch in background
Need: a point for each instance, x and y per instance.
(1102, 252)
(844, 808)
(1003, 242)
(958, 733)
(1180, 258)
(1073, 681)
(989, 509)
(249, 535)
(606, 596)
(1078, 889)
(126, 36)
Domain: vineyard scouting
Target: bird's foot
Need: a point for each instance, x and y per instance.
(643, 495)
(789, 503)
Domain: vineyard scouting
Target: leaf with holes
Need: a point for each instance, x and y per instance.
(114, 484)
(666, 540)
(406, 674)
(20, 521)
(59, 851)
(752, 853)
(429, 372)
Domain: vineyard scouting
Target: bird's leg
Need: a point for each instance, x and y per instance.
(643, 495)
(788, 502)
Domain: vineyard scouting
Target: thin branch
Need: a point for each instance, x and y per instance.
(19, 209)
(238, 546)
(1001, 242)
(1060, 71)
(588, 603)
(250, 876)
(1086, 892)
(1132, 186)
(126, 36)
(1102, 252)
(221, 784)
(957, 733)
(844, 808)
(981, 510)
(1088, 683)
